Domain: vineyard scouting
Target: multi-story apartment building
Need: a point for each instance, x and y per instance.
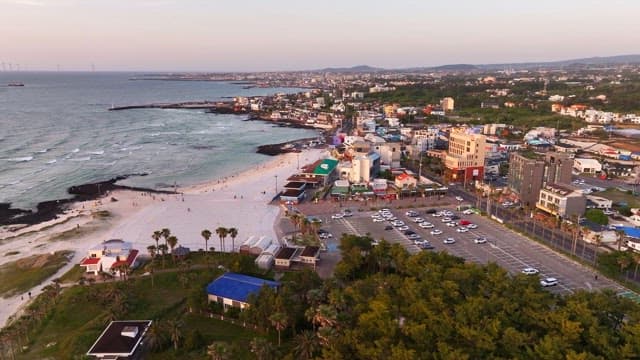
(425, 139)
(562, 201)
(465, 158)
(447, 104)
(529, 172)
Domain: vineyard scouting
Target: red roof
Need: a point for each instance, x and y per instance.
(132, 256)
(89, 261)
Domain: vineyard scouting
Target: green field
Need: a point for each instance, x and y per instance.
(21, 275)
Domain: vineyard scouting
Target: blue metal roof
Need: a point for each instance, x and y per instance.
(237, 286)
(630, 231)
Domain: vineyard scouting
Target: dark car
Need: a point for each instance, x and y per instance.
(322, 231)
(409, 232)
(431, 211)
(388, 227)
(454, 217)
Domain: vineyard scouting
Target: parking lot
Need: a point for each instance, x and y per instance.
(508, 249)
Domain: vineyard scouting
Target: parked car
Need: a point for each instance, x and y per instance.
(378, 220)
(464, 222)
(530, 271)
(449, 241)
(409, 232)
(436, 215)
(388, 227)
(411, 213)
(462, 230)
(459, 198)
(418, 220)
(436, 232)
(397, 223)
(337, 216)
(550, 281)
(431, 211)
(403, 228)
(413, 236)
(446, 220)
(426, 246)
(452, 224)
(426, 225)
(472, 226)
(468, 212)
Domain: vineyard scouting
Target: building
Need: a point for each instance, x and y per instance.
(109, 256)
(284, 257)
(425, 139)
(447, 104)
(404, 181)
(561, 201)
(287, 256)
(120, 340)
(465, 158)
(588, 166)
(233, 290)
(529, 172)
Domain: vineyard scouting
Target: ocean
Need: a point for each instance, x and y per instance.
(57, 131)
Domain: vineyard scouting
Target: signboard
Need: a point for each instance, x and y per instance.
(476, 172)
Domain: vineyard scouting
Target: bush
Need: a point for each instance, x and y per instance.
(597, 216)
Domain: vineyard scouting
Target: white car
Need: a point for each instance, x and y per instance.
(397, 223)
(378, 220)
(426, 225)
(403, 228)
(449, 241)
(468, 212)
(436, 215)
(418, 220)
(472, 226)
(446, 220)
(337, 216)
(436, 232)
(452, 224)
(411, 213)
(459, 198)
(419, 242)
(447, 213)
(480, 240)
(550, 281)
(530, 271)
(462, 229)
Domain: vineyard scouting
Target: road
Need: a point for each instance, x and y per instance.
(508, 249)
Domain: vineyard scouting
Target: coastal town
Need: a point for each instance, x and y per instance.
(535, 170)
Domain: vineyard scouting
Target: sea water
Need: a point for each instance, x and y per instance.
(57, 131)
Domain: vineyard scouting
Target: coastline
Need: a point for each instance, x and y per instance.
(241, 200)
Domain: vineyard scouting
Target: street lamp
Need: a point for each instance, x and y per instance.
(276, 176)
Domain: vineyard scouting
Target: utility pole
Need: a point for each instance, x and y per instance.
(276, 176)
(420, 168)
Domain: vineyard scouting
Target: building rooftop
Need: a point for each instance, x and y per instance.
(120, 339)
(237, 286)
(286, 253)
(310, 251)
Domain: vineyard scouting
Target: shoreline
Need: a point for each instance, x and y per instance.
(242, 200)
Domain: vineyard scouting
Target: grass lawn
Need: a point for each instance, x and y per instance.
(23, 274)
(81, 313)
(619, 196)
(73, 275)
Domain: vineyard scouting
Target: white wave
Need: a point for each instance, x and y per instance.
(87, 158)
(21, 159)
(42, 151)
(135, 148)
(75, 150)
(52, 161)
(16, 182)
(97, 152)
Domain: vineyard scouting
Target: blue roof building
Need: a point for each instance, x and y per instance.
(233, 290)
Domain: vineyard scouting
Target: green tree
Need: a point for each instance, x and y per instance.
(156, 236)
(222, 233)
(206, 235)
(306, 345)
(217, 351)
(279, 321)
(262, 349)
(597, 216)
(174, 327)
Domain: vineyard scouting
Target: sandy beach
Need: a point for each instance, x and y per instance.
(238, 200)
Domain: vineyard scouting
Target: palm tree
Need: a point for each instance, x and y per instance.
(172, 241)
(262, 348)
(156, 236)
(279, 322)
(233, 232)
(306, 345)
(624, 262)
(165, 234)
(175, 332)
(206, 235)
(155, 337)
(163, 249)
(217, 351)
(222, 233)
(619, 238)
(152, 249)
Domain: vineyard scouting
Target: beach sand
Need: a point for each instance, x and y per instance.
(239, 200)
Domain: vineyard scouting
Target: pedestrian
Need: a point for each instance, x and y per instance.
(596, 277)
(29, 294)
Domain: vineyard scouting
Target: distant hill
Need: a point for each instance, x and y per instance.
(353, 69)
(604, 60)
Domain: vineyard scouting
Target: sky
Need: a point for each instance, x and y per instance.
(271, 35)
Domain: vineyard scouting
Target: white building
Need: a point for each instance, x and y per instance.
(589, 166)
(109, 256)
(425, 139)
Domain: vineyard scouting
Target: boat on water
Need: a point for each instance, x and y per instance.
(15, 84)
